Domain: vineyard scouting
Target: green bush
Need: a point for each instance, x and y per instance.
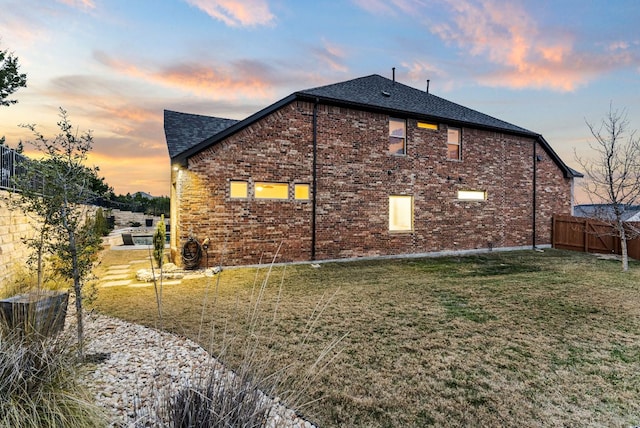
(100, 225)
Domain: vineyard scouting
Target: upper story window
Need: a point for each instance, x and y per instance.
(453, 144)
(397, 136)
(428, 125)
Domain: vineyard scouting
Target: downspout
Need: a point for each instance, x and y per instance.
(535, 169)
(315, 179)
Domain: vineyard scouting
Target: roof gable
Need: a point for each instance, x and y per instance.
(184, 131)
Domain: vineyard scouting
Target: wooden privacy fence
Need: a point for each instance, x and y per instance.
(591, 236)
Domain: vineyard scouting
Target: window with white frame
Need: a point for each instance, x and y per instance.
(453, 144)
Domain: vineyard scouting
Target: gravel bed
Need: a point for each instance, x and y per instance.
(140, 364)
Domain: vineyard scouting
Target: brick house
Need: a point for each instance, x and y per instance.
(362, 168)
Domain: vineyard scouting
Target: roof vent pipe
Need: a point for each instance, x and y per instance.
(393, 74)
(428, 85)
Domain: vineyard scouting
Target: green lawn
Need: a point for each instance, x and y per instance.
(502, 339)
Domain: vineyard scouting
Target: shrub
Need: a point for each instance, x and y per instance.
(38, 384)
(159, 240)
(219, 401)
(100, 223)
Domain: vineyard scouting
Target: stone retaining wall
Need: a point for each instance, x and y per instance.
(14, 227)
(125, 218)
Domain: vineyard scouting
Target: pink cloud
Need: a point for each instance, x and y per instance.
(236, 13)
(508, 36)
(219, 82)
(332, 55)
(516, 51)
(243, 79)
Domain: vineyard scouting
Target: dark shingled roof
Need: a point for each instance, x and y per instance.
(189, 134)
(605, 211)
(381, 93)
(184, 131)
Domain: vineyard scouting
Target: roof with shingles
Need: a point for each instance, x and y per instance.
(184, 131)
(373, 93)
(606, 212)
(385, 94)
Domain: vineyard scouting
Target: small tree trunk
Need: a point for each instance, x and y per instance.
(623, 246)
(40, 274)
(77, 280)
(77, 290)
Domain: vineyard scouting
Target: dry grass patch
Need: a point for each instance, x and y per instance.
(503, 339)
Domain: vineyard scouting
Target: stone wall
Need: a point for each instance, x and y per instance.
(125, 219)
(355, 177)
(14, 226)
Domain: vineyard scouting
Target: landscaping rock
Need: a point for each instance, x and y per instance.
(147, 275)
(141, 366)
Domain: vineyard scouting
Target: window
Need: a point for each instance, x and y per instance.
(238, 189)
(301, 191)
(400, 213)
(472, 195)
(427, 125)
(265, 190)
(397, 136)
(453, 144)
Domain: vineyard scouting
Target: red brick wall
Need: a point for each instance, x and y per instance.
(356, 176)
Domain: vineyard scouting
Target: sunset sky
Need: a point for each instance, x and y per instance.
(114, 65)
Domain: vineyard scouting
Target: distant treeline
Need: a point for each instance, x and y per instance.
(137, 203)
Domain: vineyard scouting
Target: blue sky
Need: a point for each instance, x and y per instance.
(114, 65)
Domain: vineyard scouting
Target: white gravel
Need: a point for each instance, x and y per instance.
(144, 364)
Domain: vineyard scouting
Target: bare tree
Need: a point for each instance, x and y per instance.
(613, 174)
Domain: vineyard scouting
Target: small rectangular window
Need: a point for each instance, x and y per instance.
(427, 125)
(397, 136)
(238, 189)
(453, 144)
(266, 190)
(301, 191)
(472, 195)
(401, 213)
